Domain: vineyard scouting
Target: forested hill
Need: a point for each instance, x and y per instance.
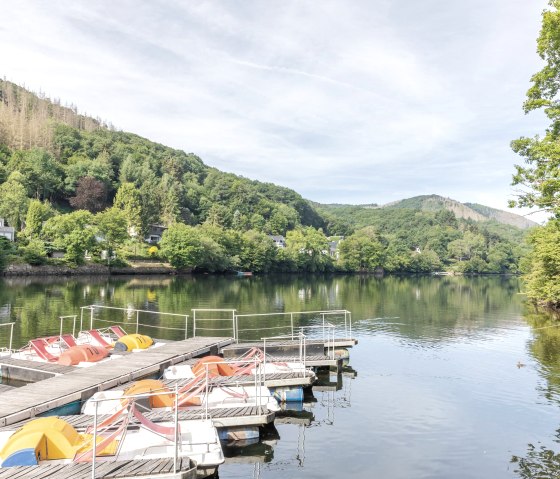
(73, 184)
(471, 211)
(74, 162)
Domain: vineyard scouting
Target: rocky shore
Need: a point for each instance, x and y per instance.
(144, 267)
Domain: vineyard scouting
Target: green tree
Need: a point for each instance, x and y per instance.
(34, 252)
(541, 280)
(73, 233)
(258, 252)
(13, 200)
(37, 213)
(128, 201)
(42, 173)
(539, 179)
(112, 228)
(77, 243)
(6, 248)
(80, 166)
(424, 262)
(186, 247)
(309, 247)
(362, 251)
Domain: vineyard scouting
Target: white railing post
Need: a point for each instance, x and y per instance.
(264, 353)
(207, 398)
(11, 336)
(94, 441)
(186, 325)
(194, 322)
(176, 429)
(91, 318)
(292, 323)
(137, 320)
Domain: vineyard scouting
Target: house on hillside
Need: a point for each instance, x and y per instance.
(155, 232)
(279, 240)
(333, 247)
(7, 231)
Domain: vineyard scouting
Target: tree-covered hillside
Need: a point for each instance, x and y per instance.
(438, 239)
(56, 150)
(75, 185)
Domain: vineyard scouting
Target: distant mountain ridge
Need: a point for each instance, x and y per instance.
(473, 211)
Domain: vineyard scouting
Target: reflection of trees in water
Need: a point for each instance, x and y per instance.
(539, 462)
(429, 308)
(545, 348)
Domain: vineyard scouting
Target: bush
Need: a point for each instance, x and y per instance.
(34, 253)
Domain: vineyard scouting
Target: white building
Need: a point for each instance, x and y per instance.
(7, 231)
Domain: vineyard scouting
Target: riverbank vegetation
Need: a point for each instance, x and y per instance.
(76, 190)
(538, 180)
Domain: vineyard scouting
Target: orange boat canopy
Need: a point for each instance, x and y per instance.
(82, 353)
(216, 367)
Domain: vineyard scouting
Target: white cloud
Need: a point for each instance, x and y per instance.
(363, 101)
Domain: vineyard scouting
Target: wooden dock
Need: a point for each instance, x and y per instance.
(186, 469)
(221, 417)
(81, 383)
(272, 380)
(30, 371)
(286, 351)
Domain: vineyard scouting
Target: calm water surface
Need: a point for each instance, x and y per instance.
(456, 377)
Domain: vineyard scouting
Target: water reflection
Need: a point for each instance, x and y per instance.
(540, 460)
(439, 394)
(424, 310)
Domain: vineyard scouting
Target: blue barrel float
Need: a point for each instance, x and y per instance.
(288, 394)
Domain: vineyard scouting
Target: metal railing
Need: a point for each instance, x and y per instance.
(201, 315)
(258, 380)
(327, 331)
(294, 322)
(131, 312)
(302, 348)
(74, 318)
(133, 398)
(10, 341)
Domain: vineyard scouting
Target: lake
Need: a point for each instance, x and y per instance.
(454, 377)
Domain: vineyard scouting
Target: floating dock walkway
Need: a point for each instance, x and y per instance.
(81, 383)
(221, 417)
(186, 469)
(289, 351)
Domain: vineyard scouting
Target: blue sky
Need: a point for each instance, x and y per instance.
(344, 101)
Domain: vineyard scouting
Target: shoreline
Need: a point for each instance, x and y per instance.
(144, 268)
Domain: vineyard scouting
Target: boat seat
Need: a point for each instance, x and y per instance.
(118, 331)
(69, 340)
(40, 347)
(100, 340)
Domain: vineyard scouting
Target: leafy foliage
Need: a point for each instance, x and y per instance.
(90, 195)
(217, 221)
(539, 178)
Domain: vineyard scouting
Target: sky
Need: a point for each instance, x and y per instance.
(345, 101)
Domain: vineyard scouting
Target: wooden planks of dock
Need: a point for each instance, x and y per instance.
(221, 417)
(107, 469)
(81, 383)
